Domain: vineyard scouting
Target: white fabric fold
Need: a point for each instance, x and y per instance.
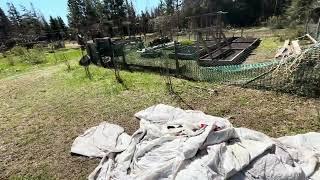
(176, 144)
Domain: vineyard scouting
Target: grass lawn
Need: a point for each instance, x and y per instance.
(6, 69)
(42, 110)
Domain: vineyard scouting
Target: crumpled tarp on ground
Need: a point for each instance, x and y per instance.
(176, 144)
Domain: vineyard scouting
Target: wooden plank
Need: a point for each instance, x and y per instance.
(296, 47)
(312, 39)
(281, 51)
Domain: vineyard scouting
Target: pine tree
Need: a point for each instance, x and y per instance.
(145, 17)
(76, 15)
(300, 10)
(30, 22)
(132, 18)
(169, 6)
(62, 25)
(46, 28)
(54, 24)
(160, 10)
(115, 10)
(4, 26)
(56, 33)
(132, 12)
(15, 19)
(92, 19)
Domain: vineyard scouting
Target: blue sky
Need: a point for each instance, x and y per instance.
(59, 7)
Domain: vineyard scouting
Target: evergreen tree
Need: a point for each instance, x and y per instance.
(62, 25)
(54, 24)
(115, 10)
(56, 33)
(15, 19)
(132, 18)
(46, 28)
(4, 26)
(145, 18)
(132, 13)
(300, 10)
(30, 22)
(160, 10)
(76, 16)
(169, 6)
(92, 19)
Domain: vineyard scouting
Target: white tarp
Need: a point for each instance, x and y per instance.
(176, 144)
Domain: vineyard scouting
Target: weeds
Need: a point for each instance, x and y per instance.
(32, 56)
(9, 58)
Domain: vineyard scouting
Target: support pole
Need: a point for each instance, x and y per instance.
(318, 30)
(176, 58)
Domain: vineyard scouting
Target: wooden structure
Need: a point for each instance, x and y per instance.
(209, 25)
(213, 47)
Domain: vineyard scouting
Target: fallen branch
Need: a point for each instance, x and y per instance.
(312, 39)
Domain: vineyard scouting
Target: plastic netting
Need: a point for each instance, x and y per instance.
(298, 75)
(234, 74)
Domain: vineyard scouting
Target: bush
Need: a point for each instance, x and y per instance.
(276, 22)
(18, 51)
(34, 56)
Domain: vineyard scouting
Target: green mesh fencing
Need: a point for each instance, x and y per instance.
(298, 75)
(190, 69)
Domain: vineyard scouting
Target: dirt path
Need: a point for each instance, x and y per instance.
(30, 134)
(41, 115)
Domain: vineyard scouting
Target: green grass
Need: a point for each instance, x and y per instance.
(266, 51)
(19, 66)
(43, 113)
(270, 44)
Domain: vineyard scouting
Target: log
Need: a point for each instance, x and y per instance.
(312, 39)
(281, 51)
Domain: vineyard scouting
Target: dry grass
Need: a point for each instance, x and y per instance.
(42, 112)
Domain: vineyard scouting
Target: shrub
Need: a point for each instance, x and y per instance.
(276, 22)
(34, 56)
(18, 51)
